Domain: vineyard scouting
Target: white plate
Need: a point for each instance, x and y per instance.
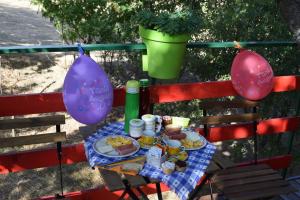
(204, 143)
(114, 154)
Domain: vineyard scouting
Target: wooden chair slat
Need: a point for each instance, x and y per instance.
(32, 139)
(254, 187)
(261, 193)
(243, 169)
(113, 181)
(31, 122)
(245, 175)
(245, 181)
(135, 181)
(214, 120)
(219, 105)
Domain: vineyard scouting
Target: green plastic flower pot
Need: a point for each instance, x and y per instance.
(165, 53)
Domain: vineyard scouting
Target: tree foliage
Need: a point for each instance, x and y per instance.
(172, 23)
(101, 20)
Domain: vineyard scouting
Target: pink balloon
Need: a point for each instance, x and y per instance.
(251, 75)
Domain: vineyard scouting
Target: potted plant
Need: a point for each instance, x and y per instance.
(165, 35)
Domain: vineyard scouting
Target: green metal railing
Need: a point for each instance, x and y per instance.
(138, 47)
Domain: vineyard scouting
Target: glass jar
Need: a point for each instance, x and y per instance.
(136, 127)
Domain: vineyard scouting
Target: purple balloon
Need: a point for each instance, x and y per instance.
(87, 91)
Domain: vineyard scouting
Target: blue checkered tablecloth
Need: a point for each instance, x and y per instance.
(96, 159)
(182, 183)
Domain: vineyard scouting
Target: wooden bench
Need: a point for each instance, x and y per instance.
(32, 122)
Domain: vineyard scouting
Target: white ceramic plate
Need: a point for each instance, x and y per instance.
(114, 154)
(204, 142)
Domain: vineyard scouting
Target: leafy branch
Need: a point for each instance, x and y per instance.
(173, 23)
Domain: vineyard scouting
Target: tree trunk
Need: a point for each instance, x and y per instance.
(290, 11)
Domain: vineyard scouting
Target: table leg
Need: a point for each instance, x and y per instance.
(122, 195)
(144, 196)
(129, 191)
(211, 190)
(158, 190)
(157, 185)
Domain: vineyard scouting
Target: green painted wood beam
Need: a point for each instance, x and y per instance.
(136, 47)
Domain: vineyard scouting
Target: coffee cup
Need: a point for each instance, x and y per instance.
(174, 147)
(152, 122)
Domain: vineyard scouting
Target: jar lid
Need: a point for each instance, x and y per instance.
(132, 84)
(136, 122)
(144, 82)
(148, 117)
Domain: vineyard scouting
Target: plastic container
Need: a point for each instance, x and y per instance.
(165, 53)
(144, 98)
(131, 102)
(181, 121)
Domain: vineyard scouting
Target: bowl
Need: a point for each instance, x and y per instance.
(181, 121)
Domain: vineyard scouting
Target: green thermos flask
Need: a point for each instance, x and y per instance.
(131, 102)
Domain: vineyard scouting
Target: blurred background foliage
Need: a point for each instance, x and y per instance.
(112, 21)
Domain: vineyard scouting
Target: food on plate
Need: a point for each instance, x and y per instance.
(125, 149)
(180, 165)
(189, 144)
(171, 132)
(118, 141)
(168, 167)
(193, 136)
(104, 148)
(182, 155)
(192, 140)
(179, 136)
(173, 128)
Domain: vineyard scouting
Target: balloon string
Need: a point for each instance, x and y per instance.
(80, 49)
(237, 45)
